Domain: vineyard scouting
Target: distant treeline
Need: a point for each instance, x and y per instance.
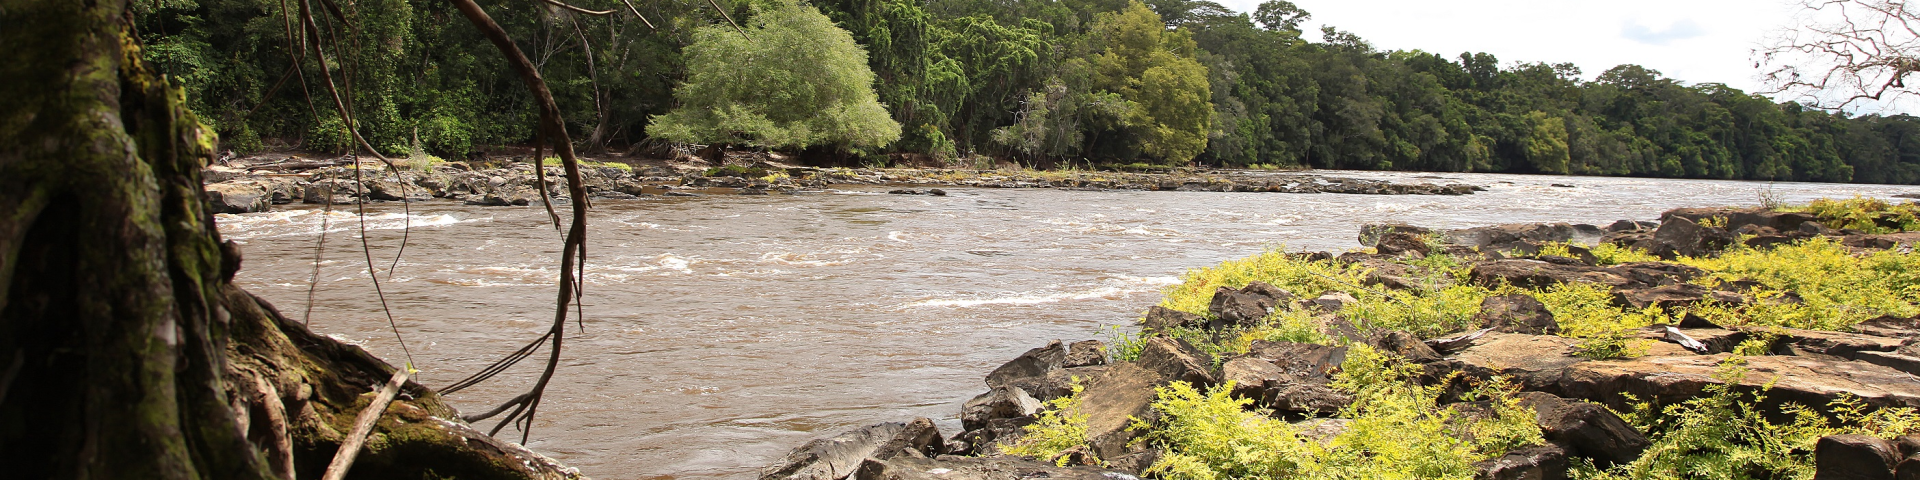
(1106, 82)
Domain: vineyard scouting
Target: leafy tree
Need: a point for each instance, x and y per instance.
(793, 80)
(1154, 70)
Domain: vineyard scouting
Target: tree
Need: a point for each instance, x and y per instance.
(128, 351)
(1845, 52)
(793, 80)
(1172, 109)
(1280, 15)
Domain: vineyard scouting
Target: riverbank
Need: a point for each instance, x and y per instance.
(1514, 351)
(255, 184)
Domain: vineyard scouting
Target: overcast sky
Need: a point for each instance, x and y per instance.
(1695, 41)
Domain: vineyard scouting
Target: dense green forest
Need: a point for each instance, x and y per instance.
(1107, 82)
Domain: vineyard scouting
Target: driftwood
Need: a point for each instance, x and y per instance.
(363, 426)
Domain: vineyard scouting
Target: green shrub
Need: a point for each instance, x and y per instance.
(1869, 215)
(1724, 434)
(1059, 427)
(1398, 430)
(1840, 288)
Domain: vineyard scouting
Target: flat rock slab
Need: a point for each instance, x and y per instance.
(1546, 363)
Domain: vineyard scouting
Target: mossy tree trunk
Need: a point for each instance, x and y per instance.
(112, 327)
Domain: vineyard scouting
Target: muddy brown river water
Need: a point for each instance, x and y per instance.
(722, 331)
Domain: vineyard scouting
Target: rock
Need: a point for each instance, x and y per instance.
(981, 468)
(1035, 363)
(1307, 398)
(1111, 399)
(383, 189)
(1370, 234)
(919, 438)
(1890, 326)
(1517, 313)
(1247, 305)
(1334, 301)
(1814, 228)
(1176, 360)
(1540, 275)
(1654, 274)
(1678, 236)
(1001, 402)
(1897, 361)
(1854, 457)
(1135, 462)
(1545, 462)
(1233, 308)
(237, 197)
(1299, 360)
(988, 440)
(937, 192)
(1674, 296)
(1401, 243)
(1838, 344)
(1251, 376)
(1882, 241)
(1161, 319)
(832, 458)
(1501, 235)
(1085, 353)
(1405, 345)
(1545, 364)
(1631, 226)
(1589, 430)
(1735, 219)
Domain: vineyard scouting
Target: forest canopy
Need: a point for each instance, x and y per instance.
(1164, 82)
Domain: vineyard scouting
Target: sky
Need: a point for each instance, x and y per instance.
(1694, 41)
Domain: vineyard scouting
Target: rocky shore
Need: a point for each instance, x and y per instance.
(1609, 401)
(255, 184)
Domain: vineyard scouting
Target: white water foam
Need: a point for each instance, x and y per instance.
(1117, 286)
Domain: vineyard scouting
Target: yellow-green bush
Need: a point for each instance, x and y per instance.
(1869, 215)
(1059, 427)
(1840, 288)
(1724, 434)
(1398, 430)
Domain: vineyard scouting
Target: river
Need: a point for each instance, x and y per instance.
(722, 331)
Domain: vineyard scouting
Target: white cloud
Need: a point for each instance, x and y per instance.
(1703, 40)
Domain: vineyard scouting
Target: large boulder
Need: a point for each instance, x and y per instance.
(837, 457)
(1403, 244)
(237, 197)
(1854, 457)
(1588, 429)
(1001, 402)
(1161, 319)
(1112, 399)
(1517, 313)
(1034, 363)
(1678, 236)
(1176, 360)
